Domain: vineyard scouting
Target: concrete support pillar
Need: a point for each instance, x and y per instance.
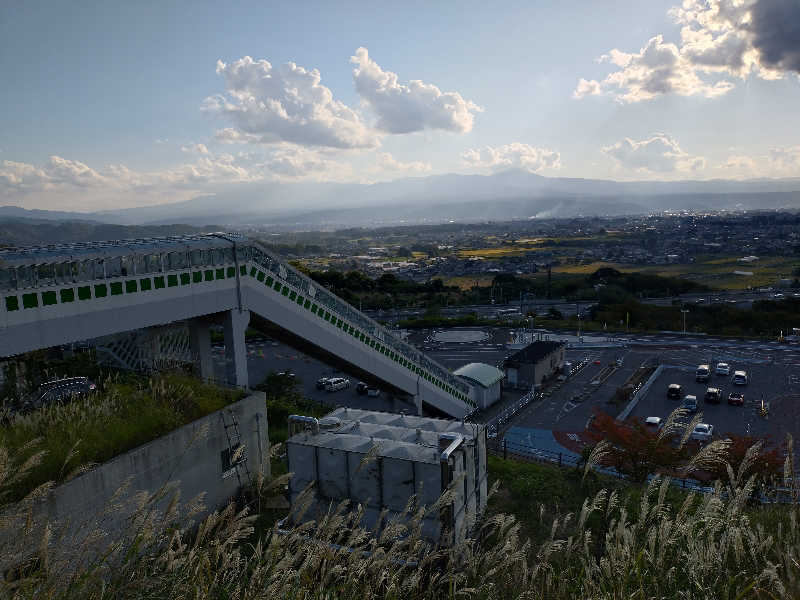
(200, 344)
(235, 324)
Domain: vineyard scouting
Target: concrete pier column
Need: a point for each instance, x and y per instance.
(200, 344)
(235, 323)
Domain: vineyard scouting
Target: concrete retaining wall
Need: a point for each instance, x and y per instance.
(191, 458)
(640, 394)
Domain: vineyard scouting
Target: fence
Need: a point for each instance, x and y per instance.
(494, 424)
(780, 494)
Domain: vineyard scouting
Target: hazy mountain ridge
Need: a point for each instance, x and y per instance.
(505, 195)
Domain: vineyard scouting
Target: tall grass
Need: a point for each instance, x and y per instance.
(126, 413)
(711, 546)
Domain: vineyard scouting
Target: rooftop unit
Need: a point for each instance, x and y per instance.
(412, 455)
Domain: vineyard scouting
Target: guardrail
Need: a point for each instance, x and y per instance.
(497, 422)
(263, 257)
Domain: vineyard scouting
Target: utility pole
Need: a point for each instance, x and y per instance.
(684, 311)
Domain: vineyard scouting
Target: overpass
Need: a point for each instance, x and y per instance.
(55, 295)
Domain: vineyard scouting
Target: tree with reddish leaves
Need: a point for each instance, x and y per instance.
(635, 450)
(766, 464)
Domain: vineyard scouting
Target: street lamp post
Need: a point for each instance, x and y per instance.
(684, 311)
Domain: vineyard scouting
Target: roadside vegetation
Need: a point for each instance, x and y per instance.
(60, 441)
(549, 533)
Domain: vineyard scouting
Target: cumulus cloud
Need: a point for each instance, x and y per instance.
(739, 164)
(85, 187)
(660, 153)
(516, 155)
(786, 159)
(408, 108)
(294, 163)
(721, 42)
(777, 162)
(387, 162)
(775, 30)
(288, 103)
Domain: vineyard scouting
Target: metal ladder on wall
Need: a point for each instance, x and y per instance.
(234, 437)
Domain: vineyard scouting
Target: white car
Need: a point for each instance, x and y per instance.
(702, 432)
(723, 369)
(336, 384)
(653, 423)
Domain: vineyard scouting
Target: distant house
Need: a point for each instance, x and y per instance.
(534, 364)
(485, 379)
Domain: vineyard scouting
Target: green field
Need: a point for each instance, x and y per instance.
(712, 270)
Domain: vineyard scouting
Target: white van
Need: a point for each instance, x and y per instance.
(740, 377)
(336, 384)
(702, 373)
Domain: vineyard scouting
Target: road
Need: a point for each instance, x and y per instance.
(740, 299)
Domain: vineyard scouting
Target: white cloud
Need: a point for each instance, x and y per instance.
(289, 162)
(63, 182)
(660, 153)
(195, 149)
(408, 108)
(387, 162)
(739, 165)
(786, 160)
(288, 103)
(721, 42)
(516, 155)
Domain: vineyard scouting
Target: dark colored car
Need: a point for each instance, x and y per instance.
(321, 382)
(674, 391)
(736, 399)
(361, 388)
(713, 395)
(58, 390)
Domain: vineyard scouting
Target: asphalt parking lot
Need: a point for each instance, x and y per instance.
(774, 382)
(264, 356)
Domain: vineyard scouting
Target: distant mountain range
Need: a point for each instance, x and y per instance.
(513, 194)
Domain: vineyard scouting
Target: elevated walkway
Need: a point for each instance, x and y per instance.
(60, 294)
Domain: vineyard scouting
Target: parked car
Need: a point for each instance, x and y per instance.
(373, 392)
(653, 423)
(723, 369)
(321, 382)
(674, 391)
(702, 432)
(58, 390)
(740, 378)
(690, 403)
(713, 395)
(336, 384)
(736, 399)
(361, 388)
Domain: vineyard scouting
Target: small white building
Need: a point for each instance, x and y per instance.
(486, 380)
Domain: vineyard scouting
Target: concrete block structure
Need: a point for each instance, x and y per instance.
(412, 455)
(534, 364)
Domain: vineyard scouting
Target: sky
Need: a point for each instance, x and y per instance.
(116, 104)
